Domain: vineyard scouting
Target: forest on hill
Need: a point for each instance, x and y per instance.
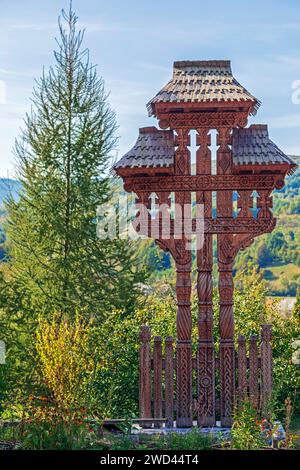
(277, 254)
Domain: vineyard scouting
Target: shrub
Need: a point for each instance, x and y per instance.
(246, 432)
(67, 360)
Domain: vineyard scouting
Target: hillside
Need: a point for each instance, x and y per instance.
(277, 254)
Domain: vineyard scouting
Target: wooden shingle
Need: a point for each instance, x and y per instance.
(252, 146)
(202, 81)
(154, 148)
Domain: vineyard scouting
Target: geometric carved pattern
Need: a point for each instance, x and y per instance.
(233, 234)
(253, 374)
(145, 373)
(203, 182)
(169, 382)
(227, 381)
(184, 383)
(157, 366)
(242, 368)
(266, 366)
(206, 384)
(259, 371)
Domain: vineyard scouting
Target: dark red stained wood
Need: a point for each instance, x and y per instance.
(233, 234)
(253, 371)
(169, 382)
(145, 373)
(205, 353)
(266, 367)
(242, 369)
(157, 376)
(187, 183)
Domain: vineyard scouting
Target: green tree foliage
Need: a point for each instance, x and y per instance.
(55, 261)
(118, 340)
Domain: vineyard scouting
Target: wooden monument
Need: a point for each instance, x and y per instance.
(203, 96)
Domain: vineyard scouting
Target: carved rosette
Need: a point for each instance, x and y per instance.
(211, 120)
(206, 383)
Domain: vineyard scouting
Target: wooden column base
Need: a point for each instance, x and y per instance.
(184, 384)
(227, 366)
(206, 384)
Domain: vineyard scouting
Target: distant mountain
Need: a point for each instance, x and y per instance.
(9, 187)
(277, 253)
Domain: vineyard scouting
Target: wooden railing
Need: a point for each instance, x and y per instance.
(253, 372)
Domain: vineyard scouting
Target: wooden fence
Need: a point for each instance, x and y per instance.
(157, 400)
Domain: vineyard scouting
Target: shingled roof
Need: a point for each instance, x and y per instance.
(153, 148)
(252, 146)
(202, 81)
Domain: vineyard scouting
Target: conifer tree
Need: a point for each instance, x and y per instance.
(56, 262)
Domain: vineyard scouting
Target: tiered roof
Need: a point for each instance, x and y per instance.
(201, 81)
(154, 148)
(252, 146)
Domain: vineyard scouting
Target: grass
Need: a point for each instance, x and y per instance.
(192, 440)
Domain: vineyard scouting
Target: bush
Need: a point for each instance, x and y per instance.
(246, 431)
(67, 360)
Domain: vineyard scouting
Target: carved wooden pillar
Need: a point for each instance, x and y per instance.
(145, 373)
(205, 355)
(253, 370)
(226, 327)
(266, 367)
(184, 346)
(169, 379)
(242, 369)
(225, 262)
(182, 258)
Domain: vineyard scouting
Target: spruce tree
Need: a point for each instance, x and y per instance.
(56, 262)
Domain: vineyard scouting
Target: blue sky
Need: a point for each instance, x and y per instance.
(135, 42)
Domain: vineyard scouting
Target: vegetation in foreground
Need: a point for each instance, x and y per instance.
(71, 304)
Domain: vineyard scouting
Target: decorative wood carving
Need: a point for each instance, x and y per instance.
(233, 234)
(145, 373)
(206, 350)
(266, 367)
(184, 383)
(242, 369)
(189, 183)
(203, 364)
(211, 120)
(245, 204)
(157, 366)
(169, 379)
(253, 373)
(184, 345)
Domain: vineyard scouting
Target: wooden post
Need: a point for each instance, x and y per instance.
(227, 353)
(182, 256)
(145, 373)
(266, 366)
(253, 370)
(226, 257)
(205, 354)
(242, 368)
(157, 376)
(169, 382)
